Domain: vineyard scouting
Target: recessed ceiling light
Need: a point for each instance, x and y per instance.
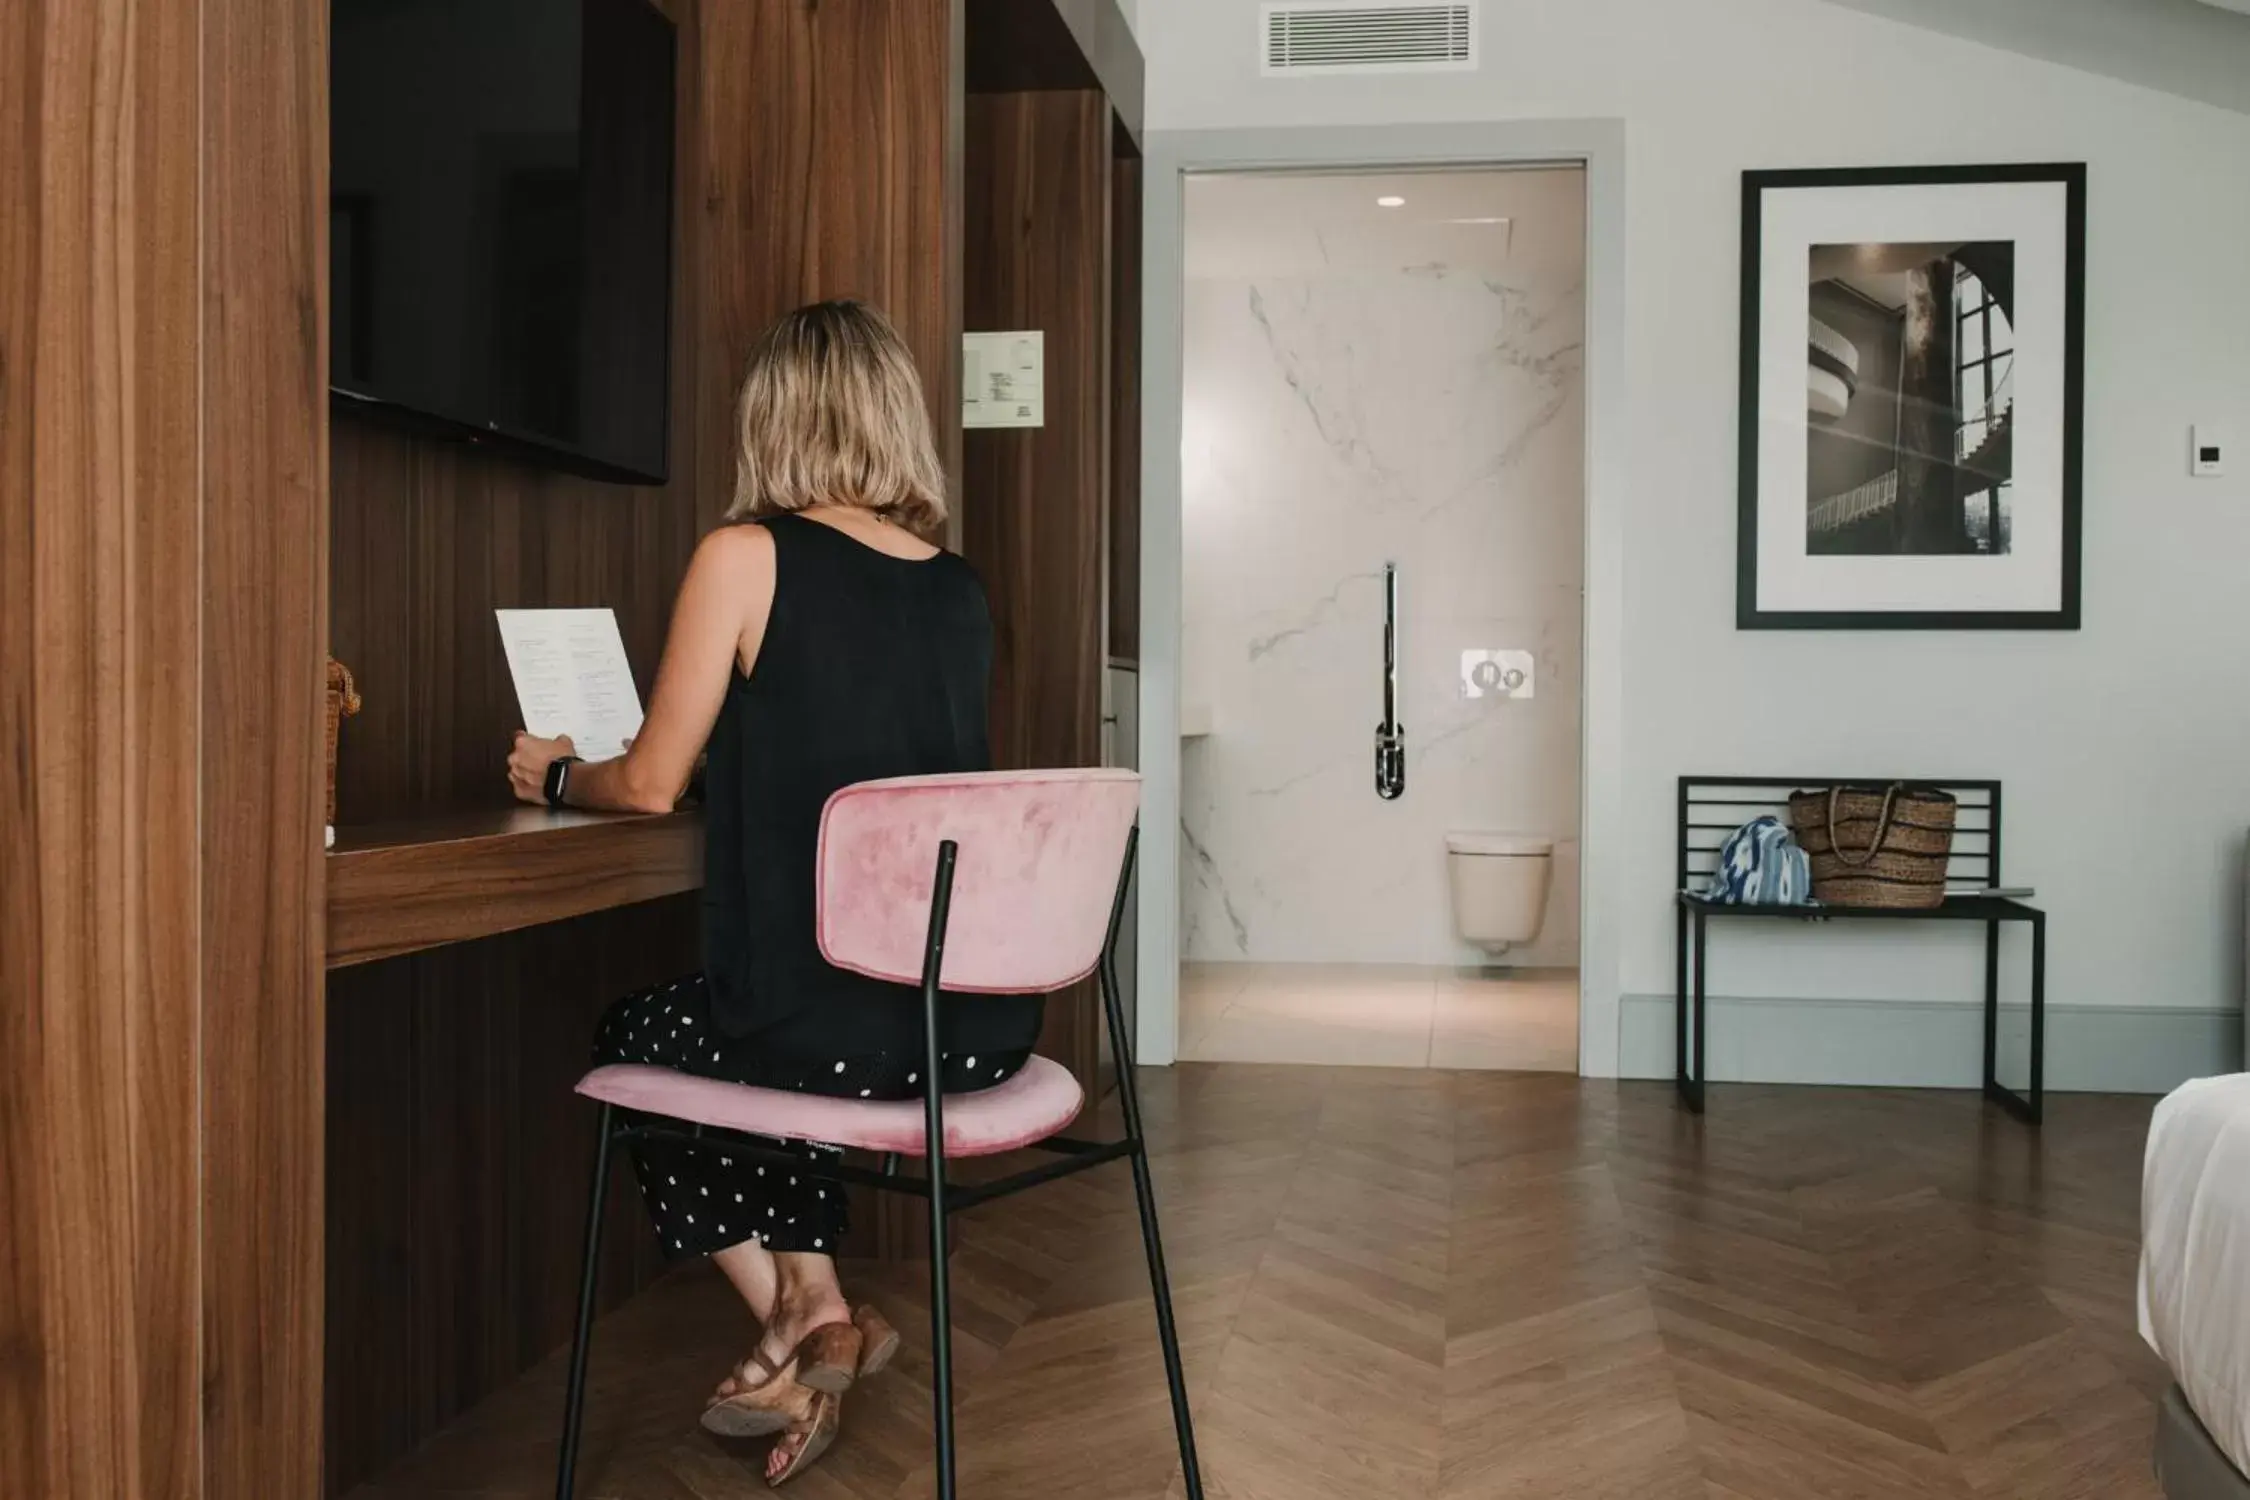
(1390, 200)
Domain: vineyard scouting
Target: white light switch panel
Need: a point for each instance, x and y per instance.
(2207, 457)
(1496, 674)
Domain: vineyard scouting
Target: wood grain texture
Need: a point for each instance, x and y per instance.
(429, 539)
(100, 492)
(830, 134)
(403, 887)
(264, 245)
(466, 1156)
(1033, 46)
(1467, 1285)
(1038, 233)
(1124, 585)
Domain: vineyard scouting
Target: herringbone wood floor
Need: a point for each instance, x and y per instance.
(1472, 1284)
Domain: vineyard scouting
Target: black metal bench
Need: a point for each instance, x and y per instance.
(1711, 807)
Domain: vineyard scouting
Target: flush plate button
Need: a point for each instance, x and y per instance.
(1496, 673)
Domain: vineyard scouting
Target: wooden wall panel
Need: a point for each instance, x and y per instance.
(429, 539)
(1125, 412)
(265, 519)
(460, 1157)
(831, 133)
(1019, 46)
(100, 489)
(161, 365)
(1038, 238)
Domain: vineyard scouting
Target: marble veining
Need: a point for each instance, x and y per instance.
(1424, 413)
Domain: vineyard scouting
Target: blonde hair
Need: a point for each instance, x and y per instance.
(831, 413)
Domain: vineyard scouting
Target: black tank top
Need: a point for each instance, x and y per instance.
(871, 666)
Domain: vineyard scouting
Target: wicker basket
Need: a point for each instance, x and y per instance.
(343, 702)
(1876, 846)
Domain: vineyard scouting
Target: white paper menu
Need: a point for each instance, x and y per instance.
(572, 677)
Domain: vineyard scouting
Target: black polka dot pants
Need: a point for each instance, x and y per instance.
(702, 1196)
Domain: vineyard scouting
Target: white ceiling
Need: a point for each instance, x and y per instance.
(2242, 6)
(1269, 224)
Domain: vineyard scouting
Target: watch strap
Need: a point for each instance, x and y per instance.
(558, 778)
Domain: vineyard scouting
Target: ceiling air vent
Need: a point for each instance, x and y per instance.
(1368, 38)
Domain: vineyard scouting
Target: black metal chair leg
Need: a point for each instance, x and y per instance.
(941, 1337)
(1175, 1377)
(933, 1124)
(574, 1409)
(1144, 1192)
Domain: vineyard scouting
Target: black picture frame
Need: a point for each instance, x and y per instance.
(1755, 186)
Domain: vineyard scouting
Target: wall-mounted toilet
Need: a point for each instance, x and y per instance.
(1499, 885)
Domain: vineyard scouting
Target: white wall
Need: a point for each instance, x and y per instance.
(2186, 46)
(2125, 747)
(1366, 385)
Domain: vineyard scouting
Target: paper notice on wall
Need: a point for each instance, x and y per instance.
(1003, 379)
(572, 677)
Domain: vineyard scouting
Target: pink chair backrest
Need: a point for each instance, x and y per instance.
(1040, 853)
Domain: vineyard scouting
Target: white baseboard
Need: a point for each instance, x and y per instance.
(2124, 1049)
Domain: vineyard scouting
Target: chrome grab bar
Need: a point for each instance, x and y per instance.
(1390, 736)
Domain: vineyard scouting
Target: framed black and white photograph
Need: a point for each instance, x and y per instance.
(1912, 390)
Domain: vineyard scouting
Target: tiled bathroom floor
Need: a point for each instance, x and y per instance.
(1388, 1016)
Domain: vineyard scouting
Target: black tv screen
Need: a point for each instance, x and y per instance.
(500, 228)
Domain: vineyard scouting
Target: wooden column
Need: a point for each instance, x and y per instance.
(264, 595)
(162, 524)
(1038, 258)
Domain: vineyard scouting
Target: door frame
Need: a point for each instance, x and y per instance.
(1598, 146)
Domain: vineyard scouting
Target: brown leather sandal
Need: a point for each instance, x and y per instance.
(767, 1404)
(879, 1341)
(813, 1432)
(827, 1359)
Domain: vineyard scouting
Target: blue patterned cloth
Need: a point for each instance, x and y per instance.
(1760, 864)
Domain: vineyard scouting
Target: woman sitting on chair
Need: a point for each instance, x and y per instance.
(817, 641)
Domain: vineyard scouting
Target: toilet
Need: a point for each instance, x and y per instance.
(1499, 883)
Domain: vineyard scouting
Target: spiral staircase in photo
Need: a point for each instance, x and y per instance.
(1981, 470)
(1832, 374)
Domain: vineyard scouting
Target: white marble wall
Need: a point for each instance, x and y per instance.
(1420, 412)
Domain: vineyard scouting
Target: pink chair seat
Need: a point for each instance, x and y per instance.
(1028, 1108)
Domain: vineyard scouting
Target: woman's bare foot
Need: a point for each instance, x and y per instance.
(806, 1298)
(790, 1295)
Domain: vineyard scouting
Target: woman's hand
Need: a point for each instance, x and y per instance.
(716, 626)
(528, 762)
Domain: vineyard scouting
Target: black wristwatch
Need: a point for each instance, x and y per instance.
(558, 778)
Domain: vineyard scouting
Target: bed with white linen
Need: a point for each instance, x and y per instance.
(2195, 1284)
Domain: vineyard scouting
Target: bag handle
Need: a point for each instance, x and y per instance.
(1882, 827)
(340, 683)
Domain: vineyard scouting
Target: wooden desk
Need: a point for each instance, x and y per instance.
(401, 887)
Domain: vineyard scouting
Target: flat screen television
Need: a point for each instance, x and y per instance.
(500, 226)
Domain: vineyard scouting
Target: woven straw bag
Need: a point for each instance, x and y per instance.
(343, 702)
(1885, 847)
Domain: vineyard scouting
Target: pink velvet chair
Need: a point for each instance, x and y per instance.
(1031, 869)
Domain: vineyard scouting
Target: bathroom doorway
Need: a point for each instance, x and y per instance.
(1382, 445)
